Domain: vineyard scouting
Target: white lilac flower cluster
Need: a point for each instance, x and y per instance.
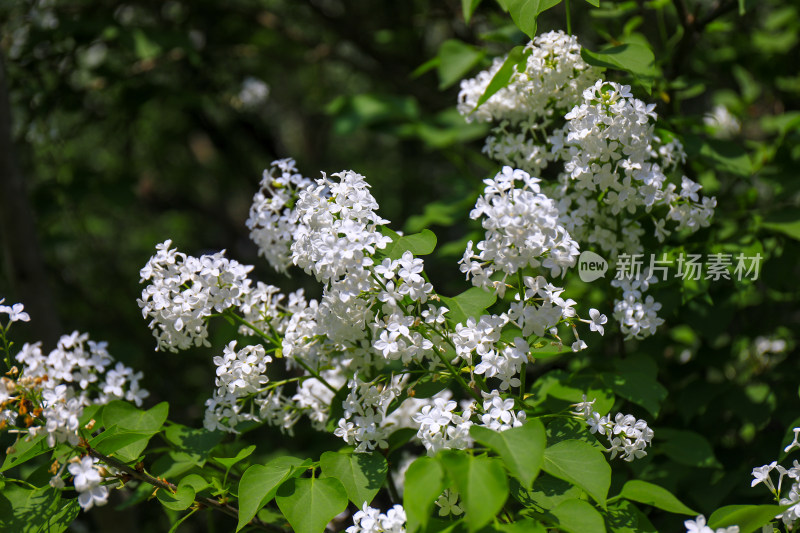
(498, 413)
(369, 520)
(364, 412)
(376, 310)
(184, 290)
(627, 435)
(441, 427)
(45, 397)
(636, 314)
(272, 218)
(337, 230)
(76, 374)
(614, 167)
(551, 82)
(762, 474)
(239, 374)
(522, 230)
(698, 525)
(609, 147)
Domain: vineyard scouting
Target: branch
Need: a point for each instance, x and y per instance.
(166, 485)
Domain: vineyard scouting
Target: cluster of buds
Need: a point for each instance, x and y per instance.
(19, 398)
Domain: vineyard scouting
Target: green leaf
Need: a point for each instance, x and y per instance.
(125, 445)
(637, 59)
(90, 412)
(443, 213)
(650, 494)
(578, 516)
(624, 517)
(145, 48)
(228, 462)
(521, 449)
(526, 525)
(503, 76)
(544, 349)
(25, 450)
(180, 521)
(468, 8)
(557, 390)
(182, 498)
(581, 464)
(638, 388)
(786, 222)
(749, 518)
(546, 494)
(41, 510)
(424, 483)
(722, 155)
(310, 503)
(471, 303)
(259, 485)
(361, 474)
(456, 59)
(128, 429)
(184, 494)
(428, 385)
(525, 12)
(126, 416)
(480, 481)
(196, 481)
(421, 243)
(595, 3)
(195, 443)
(687, 448)
(399, 438)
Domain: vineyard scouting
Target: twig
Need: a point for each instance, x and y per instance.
(166, 485)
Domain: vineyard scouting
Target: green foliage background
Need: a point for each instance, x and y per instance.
(128, 130)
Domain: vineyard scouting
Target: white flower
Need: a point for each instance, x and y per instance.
(15, 312)
(369, 520)
(87, 481)
(578, 345)
(597, 321)
(499, 414)
(761, 475)
(794, 443)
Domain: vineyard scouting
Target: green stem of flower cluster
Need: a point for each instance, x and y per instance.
(569, 21)
(276, 341)
(457, 376)
(6, 346)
